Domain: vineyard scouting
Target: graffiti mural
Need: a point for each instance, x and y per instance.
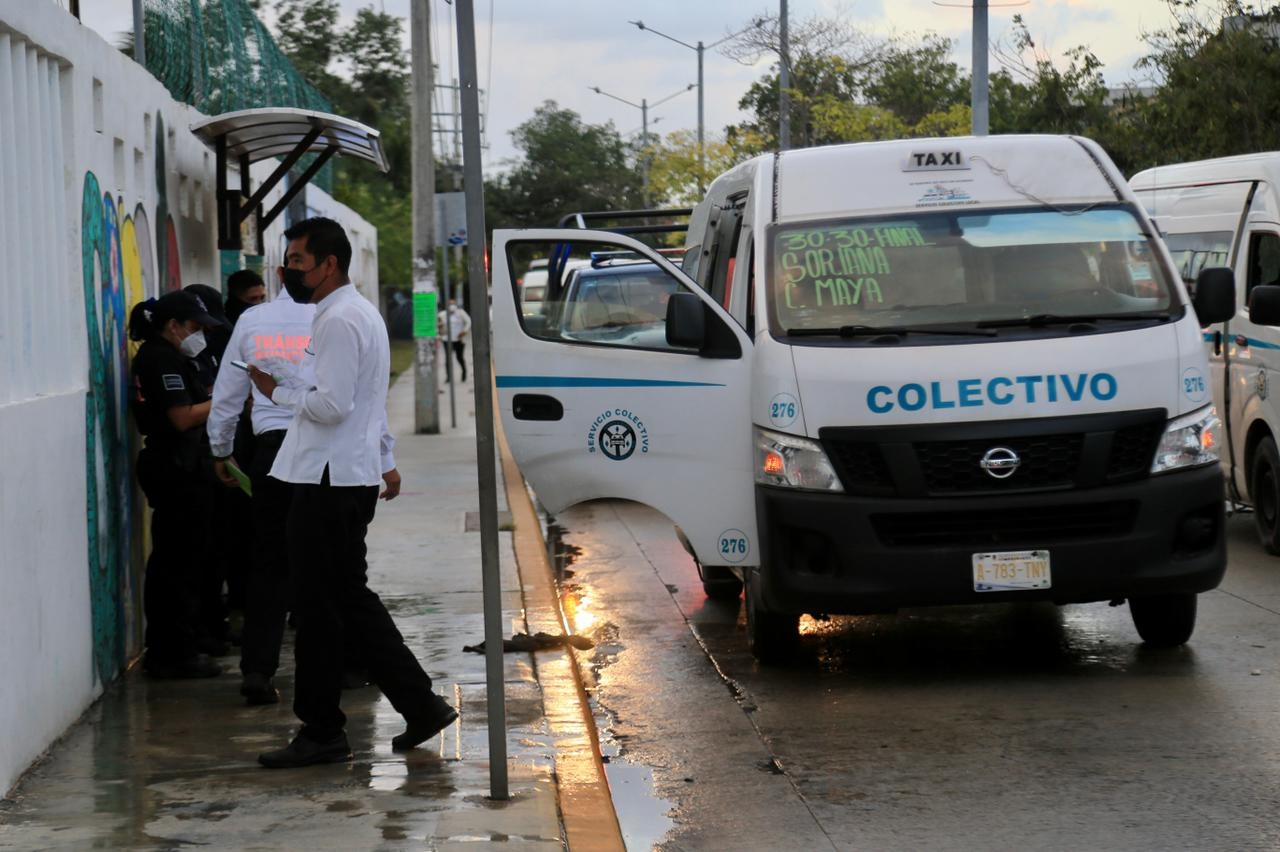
(122, 263)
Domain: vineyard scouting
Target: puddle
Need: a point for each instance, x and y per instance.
(642, 814)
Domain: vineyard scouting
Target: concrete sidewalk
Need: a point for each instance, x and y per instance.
(168, 764)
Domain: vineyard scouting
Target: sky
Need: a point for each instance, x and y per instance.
(532, 51)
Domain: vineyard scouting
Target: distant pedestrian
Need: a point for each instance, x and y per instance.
(336, 453)
(170, 405)
(459, 326)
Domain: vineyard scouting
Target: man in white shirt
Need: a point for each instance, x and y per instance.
(336, 454)
(459, 327)
(273, 337)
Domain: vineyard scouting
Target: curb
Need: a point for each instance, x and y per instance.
(582, 789)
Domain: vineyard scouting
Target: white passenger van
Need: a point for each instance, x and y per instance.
(895, 374)
(1226, 212)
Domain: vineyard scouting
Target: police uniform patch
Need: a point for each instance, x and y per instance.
(173, 382)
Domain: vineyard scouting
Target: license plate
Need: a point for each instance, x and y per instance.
(1011, 571)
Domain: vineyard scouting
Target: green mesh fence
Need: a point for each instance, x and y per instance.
(217, 56)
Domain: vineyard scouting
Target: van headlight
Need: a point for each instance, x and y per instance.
(1189, 441)
(789, 461)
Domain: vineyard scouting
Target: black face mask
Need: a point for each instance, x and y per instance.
(234, 308)
(294, 286)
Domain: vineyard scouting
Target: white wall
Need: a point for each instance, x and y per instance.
(106, 198)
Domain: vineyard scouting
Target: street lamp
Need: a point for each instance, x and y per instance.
(699, 48)
(643, 106)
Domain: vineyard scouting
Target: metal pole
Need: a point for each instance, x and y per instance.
(426, 409)
(784, 81)
(139, 34)
(702, 151)
(473, 184)
(978, 92)
(644, 151)
(448, 332)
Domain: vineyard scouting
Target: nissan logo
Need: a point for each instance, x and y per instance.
(1000, 462)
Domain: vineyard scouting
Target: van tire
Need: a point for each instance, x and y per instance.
(1164, 621)
(1264, 492)
(772, 637)
(719, 582)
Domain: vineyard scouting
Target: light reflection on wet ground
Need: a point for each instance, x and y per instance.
(642, 815)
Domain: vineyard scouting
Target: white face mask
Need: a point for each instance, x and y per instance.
(193, 344)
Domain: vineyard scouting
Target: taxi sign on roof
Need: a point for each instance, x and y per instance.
(933, 161)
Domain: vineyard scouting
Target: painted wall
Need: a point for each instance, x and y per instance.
(106, 198)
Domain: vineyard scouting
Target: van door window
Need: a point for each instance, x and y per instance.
(594, 294)
(1195, 251)
(1264, 261)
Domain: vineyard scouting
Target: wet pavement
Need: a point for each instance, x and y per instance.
(160, 765)
(1003, 727)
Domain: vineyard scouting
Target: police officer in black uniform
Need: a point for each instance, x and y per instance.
(170, 405)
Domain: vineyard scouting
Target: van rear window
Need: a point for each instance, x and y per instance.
(956, 268)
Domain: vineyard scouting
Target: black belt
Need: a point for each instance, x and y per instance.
(272, 434)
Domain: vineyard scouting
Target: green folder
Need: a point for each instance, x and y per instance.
(240, 476)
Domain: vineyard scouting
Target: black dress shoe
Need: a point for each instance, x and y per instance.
(304, 751)
(195, 666)
(419, 729)
(259, 689)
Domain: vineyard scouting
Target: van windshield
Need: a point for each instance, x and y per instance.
(956, 271)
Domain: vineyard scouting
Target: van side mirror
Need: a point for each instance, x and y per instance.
(1215, 296)
(693, 325)
(686, 321)
(1264, 304)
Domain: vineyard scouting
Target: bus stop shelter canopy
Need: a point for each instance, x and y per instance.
(247, 136)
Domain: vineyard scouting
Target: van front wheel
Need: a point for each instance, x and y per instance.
(1264, 491)
(1164, 621)
(772, 637)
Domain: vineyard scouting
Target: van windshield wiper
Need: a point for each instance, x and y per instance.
(1041, 320)
(877, 330)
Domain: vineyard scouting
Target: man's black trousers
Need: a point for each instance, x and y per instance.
(267, 597)
(335, 608)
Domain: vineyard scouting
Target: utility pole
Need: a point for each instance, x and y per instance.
(643, 106)
(784, 81)
(487, 473)
(139, 33)
(980, 101)
(426, 411)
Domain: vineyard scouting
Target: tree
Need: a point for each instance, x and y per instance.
(374, 92)
(828, 57)
(915, 82)
(1219, 92)
(846, 86)
(1033, 95)
(675, 169)
(566, 166)
(306, 32)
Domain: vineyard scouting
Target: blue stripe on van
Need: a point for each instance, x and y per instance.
(593, 382)
(1252, 342)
